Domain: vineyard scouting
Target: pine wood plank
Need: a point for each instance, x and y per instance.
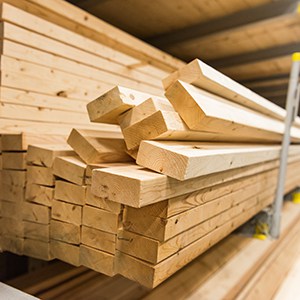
(14, 161)
(186, 160)
(44, 155)
(65, 252)
(98, 146)
(97, 260)
(14, 177)
(70, 168)
(40, 175)
(37, 249)
(144, 187)
(35, 231)
(199, 112)
(66, 212)
(101, 219)
(11, 210)
(109, 106)
(14, 194)
(12, 244)
(11, 227)
(35, 213)
(98, 239)
(65, 232)
(69, 192)
(39, 194)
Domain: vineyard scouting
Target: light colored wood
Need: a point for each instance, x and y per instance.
(202, 75)
(98, 239)
(70, 168)
(109, 106)
(144, 110)
(102, 203)
(11, 227)
(12, 244)
(65, 252)
(14, 177)
(40, 175)
(20, 141)
(164, 229)
(66, 212)
(97, 260)
(11, 210)
(137, 187)
(65, 232)
(204, 111)
(14, 194)
(44, 155)
(36, 231)
(39, 194)
(37, 249)
(69, 192)
(186, 160)
(98, 146)
(36, 213)
(150, 276)
(101, 219)
(14, 160)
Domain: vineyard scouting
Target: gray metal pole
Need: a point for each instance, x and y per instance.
(291, 105)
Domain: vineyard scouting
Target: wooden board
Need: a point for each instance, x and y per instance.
(35, 231)
(66, 212)
(101, 219)
(186, 160)
(14, 194)
(70, 168)
(39, 194)
(108, 107)
(69, 192)
(98, 239)
(37, 249)
(137, 187)
(14, 160)
(36, 213)
(97, 260)
(65, 252)
(44, 155)
(40, 175)
(98, 146)
(14, 177)
(199, 112)
(65, 232)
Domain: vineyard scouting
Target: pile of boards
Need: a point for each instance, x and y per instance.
(163, 181)
(238, 267)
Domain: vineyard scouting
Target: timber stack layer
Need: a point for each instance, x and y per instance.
(165, 179)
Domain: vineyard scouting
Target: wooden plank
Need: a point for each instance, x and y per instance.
(65, 252)
(102, 203)
(39, 194)
(11, 193)
(70, 168)
(69, 192)
(10, 227)
(138, 187)
(14, 161)
(203, 76)
(40, 175)
(12, 244)
(98, 239)
(14, 177)
(98, 146)
(90, 26)
(65, 232)
(150, 276)
(20, 141)
(186, 160)
(44, 155)
(200, 113)
(11, 210)
(101, 219)
(36, 231)
(97, 260)
(109, 106)
(35, 213)
(37, 249)
(66, 212)
(165, 228)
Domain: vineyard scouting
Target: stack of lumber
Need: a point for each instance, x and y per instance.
(226, 271)
(54, 62)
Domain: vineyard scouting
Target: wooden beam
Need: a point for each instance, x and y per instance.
(66, 212)
(65, 232)
(66, 252)
(223, 24)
